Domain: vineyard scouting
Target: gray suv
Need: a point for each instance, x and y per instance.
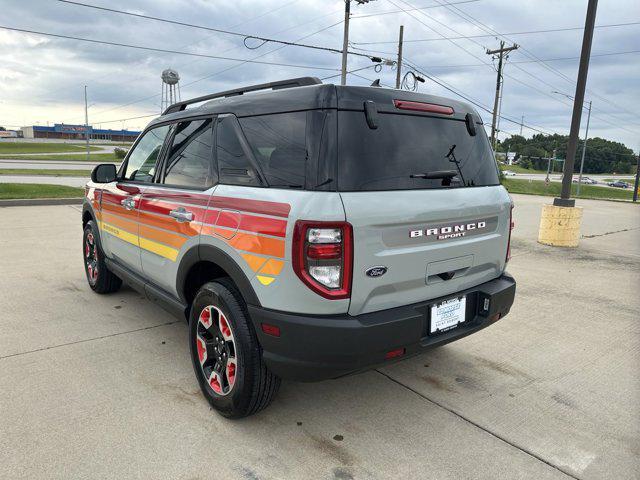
(306, 231)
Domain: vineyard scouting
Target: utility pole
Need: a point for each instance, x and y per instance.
(86, 120)
(521, 124)
(578, 105)
(584, 149)
(500, 52)
(345, 41)
(637, 184)
(399, 65)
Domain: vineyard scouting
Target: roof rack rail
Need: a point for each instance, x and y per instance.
(292, 82)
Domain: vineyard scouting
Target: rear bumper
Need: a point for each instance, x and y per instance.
(313, 348)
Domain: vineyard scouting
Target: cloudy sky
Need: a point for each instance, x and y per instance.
(42, 78)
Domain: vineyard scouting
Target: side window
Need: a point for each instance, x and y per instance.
(279, 144)
(141, 164)
(190, 158)
(233, 163)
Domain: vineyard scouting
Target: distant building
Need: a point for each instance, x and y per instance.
(10, 134)
(78, 132)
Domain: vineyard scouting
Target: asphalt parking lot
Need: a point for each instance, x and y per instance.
(102, 386)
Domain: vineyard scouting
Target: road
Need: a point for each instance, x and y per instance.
(102, 386)
(99, 149)
(43, 179)
(558, 178)
(47, 164)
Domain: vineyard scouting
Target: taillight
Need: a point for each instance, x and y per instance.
(323, 257)
(511, 225)
(423, 107)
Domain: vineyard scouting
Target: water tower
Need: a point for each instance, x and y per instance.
(170, 88)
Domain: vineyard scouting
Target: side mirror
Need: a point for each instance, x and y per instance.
(104, 173)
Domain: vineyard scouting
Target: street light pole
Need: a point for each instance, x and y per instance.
(637, 184)
(86, 120)
(584, 149)
(565, 195)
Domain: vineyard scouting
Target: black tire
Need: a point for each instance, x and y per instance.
(99, 277)
(254, 386)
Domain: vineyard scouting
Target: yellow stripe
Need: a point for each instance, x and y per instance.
(265, 280)
(159, 249)
(155, 247)
(121, 234)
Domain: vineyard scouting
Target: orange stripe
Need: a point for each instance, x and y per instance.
(256, 244)
(272, 267)
(248, 242)
(254, 262)
(169, 224)
(128, 225)
(153, 220)
(170, 239)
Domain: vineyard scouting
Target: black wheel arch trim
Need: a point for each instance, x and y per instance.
(87, 208)
(209, 253)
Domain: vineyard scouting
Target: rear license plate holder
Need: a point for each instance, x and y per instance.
(447, 314)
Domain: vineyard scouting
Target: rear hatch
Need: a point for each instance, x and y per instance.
(418, 238)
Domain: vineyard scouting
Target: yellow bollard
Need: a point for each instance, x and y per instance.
(560, 226)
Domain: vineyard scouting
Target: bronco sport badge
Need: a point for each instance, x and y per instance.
(450, 230)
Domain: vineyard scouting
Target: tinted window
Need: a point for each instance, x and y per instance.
(405, 145)
(234, 164)
(278, 144)
(141, 164)
(189, 162)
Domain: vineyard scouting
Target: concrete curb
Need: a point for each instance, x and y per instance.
(30, 202)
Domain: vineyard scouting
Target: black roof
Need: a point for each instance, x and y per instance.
(310, 97)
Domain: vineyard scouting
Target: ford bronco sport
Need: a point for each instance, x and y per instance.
(306, 231)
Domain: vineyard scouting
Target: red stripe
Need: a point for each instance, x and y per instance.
(255, 206)
(161, 194)
(249, 223)
(113, 197)
(164, 208)
(266, 226)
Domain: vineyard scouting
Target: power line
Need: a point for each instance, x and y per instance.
(268, 12)
(211, 29)
(162, 50)
(465, 16)
(557, 59)
(223, 70)
(467, 37)
(528, 54)
(389, 12)
(234, 66)
(469, 99)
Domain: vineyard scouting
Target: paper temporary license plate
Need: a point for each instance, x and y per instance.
(447, 314)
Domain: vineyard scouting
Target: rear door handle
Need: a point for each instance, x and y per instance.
(128, 203)
(181, 215)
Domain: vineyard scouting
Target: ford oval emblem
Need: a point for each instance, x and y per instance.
(376, 271)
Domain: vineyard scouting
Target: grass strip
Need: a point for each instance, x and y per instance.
(32, 190)
(538, 187)
(45, 172)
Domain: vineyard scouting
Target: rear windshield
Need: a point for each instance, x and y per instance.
(406, 148)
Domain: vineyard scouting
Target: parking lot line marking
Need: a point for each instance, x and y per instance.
(495, 435)
(51, 347)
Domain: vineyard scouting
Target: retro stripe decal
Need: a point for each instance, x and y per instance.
(256, 229)
(253, 206)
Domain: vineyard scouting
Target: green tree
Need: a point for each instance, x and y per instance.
(602, 156)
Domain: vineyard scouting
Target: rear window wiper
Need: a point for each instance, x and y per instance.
(446, 175)
(435, 174)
